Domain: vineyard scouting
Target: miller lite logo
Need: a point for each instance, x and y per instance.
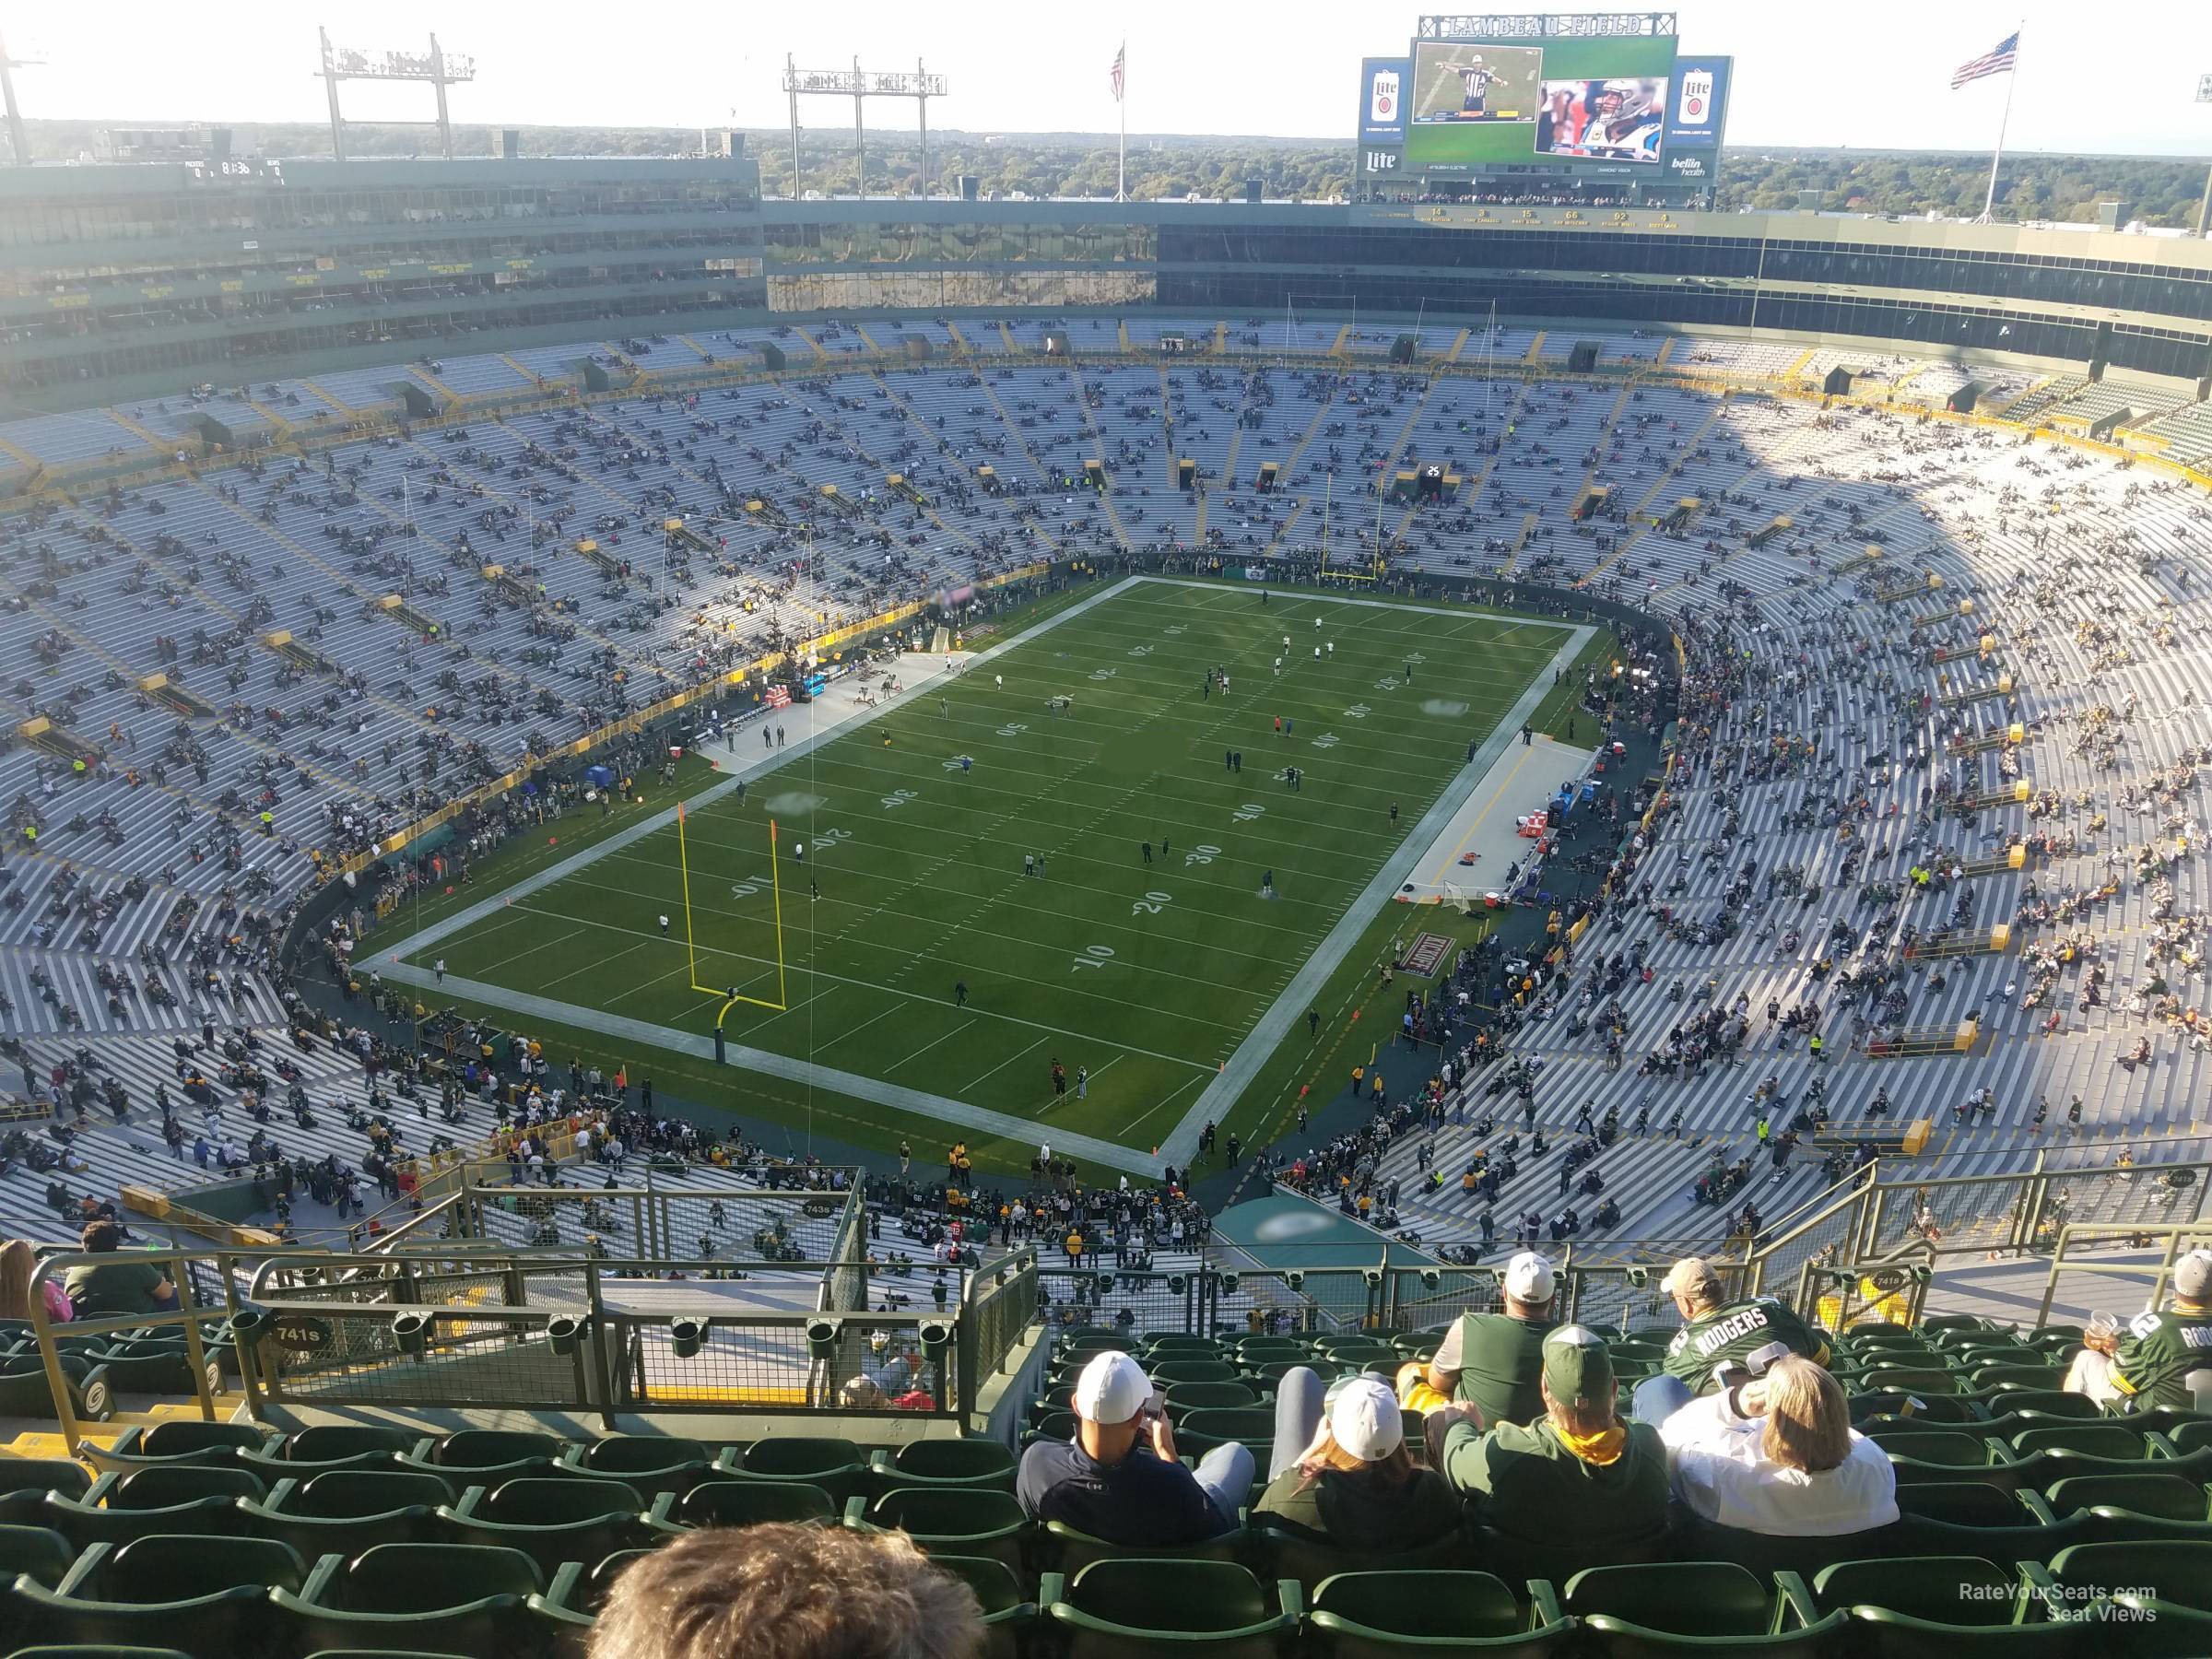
(1382, 161)
(1695, 107)
(1382, 98)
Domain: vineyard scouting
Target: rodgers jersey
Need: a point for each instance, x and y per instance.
(1730, 1336)
(2157, 1355)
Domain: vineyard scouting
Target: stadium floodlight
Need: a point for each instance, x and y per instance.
(436, 66)
(16, 135)
(859, 85)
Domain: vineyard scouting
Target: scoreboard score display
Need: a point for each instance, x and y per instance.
(1559, 106)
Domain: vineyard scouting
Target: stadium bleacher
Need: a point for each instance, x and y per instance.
(1811, 862)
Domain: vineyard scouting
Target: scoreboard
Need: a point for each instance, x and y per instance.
(1542, 104)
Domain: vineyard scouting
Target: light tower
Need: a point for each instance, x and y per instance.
(16, 135)
(859, 85)
(349, 63)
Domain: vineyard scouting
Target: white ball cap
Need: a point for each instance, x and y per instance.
(1529, 1277)
(2193, 1277)
(1112, 1389)
(1365, 1420)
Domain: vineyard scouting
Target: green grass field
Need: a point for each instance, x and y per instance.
(1150, 975)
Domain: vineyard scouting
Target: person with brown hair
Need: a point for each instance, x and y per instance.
(1778, 1455)
(107, 1288)
(17, 1261)
(1341, 1474)
(788, 1591)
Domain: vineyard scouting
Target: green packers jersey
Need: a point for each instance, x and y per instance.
(1730, 1336)
(2157, 1353)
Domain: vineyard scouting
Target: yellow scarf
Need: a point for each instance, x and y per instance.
(1604, 1447)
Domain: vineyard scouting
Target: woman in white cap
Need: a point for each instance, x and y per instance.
(1341, 1474)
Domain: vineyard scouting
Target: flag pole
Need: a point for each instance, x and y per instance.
(2012, 78)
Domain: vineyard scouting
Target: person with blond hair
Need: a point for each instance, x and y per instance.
(1341, 1473)
(788, 1591)
(1778, 1455)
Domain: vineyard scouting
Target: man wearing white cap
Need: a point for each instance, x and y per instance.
(1494, 1359)
(1340, 1473)
(2150, 1362)
(1119, 1478)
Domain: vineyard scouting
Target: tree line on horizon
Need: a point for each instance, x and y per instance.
(1909, 183)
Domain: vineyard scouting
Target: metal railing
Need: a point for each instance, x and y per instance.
(2171, 1240)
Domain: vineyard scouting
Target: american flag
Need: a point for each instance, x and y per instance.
(1120, 64)
(1999, 62)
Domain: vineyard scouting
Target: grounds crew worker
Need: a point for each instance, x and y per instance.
(2148, 1363)
(1716, 1334)
(1493, 1360)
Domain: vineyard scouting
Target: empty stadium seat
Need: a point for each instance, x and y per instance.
(550, 1521)
(441, 1598)
(205, 1595)
(652, 1464)
(39, 1551)
(183, 1497)
(1009, 1617)
(1930, 1607)
(723, 1502)
(1119, 1608)
(1681, 1606)
(25, 1481)
(180, 1440)
(963, 1521)
(933, 1463)
(837, 1467)
(351, 1510)
(1384, 1615)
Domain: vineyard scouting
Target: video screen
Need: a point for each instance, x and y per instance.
(1593, 105)
(1493, 84)
(1614, 120)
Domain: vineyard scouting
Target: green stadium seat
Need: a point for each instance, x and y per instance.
(1170, 1371)
(2194, 1435)
(439, 1598)
(1253, 1425)
(966, 1522)
(2044, 1402)
(943, 1462)
(1125, 1609)
(1905, 1405)
(39, 1551)
(2162, 1593)
(485, 1458)
(1166, 1345)
(1993, 1377)
(158, 1369)
(1960, 1447)
(1009, 1617)
(550, 1521)
(723, 1502)
(1962, 1503)
(25, 1481)
(306, 1452)
(351, 1510)
(1905, 1378)
(1387, 1615)
(188, 1498)
(652, 1464)
(181, 1440)
(75, 1650)
(1936, 1323)
(24, 1394)
(2151, 1493)
(1930, 1607)
(1054, 1426)
(1071, 1551)
(838, 1467)
(207, 1595)
(579, 1590)
(1196, 1396)
(2091, 1439)
(1682, 1606)
(1286, 1554)
(1093, 1342)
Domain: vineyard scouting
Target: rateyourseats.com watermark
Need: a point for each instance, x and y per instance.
(2083, 1601)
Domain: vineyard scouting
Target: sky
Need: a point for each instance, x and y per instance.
(1874, 74)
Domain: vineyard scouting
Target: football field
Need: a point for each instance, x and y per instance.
(1184, 876)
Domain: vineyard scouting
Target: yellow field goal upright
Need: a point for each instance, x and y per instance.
(729, 995)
